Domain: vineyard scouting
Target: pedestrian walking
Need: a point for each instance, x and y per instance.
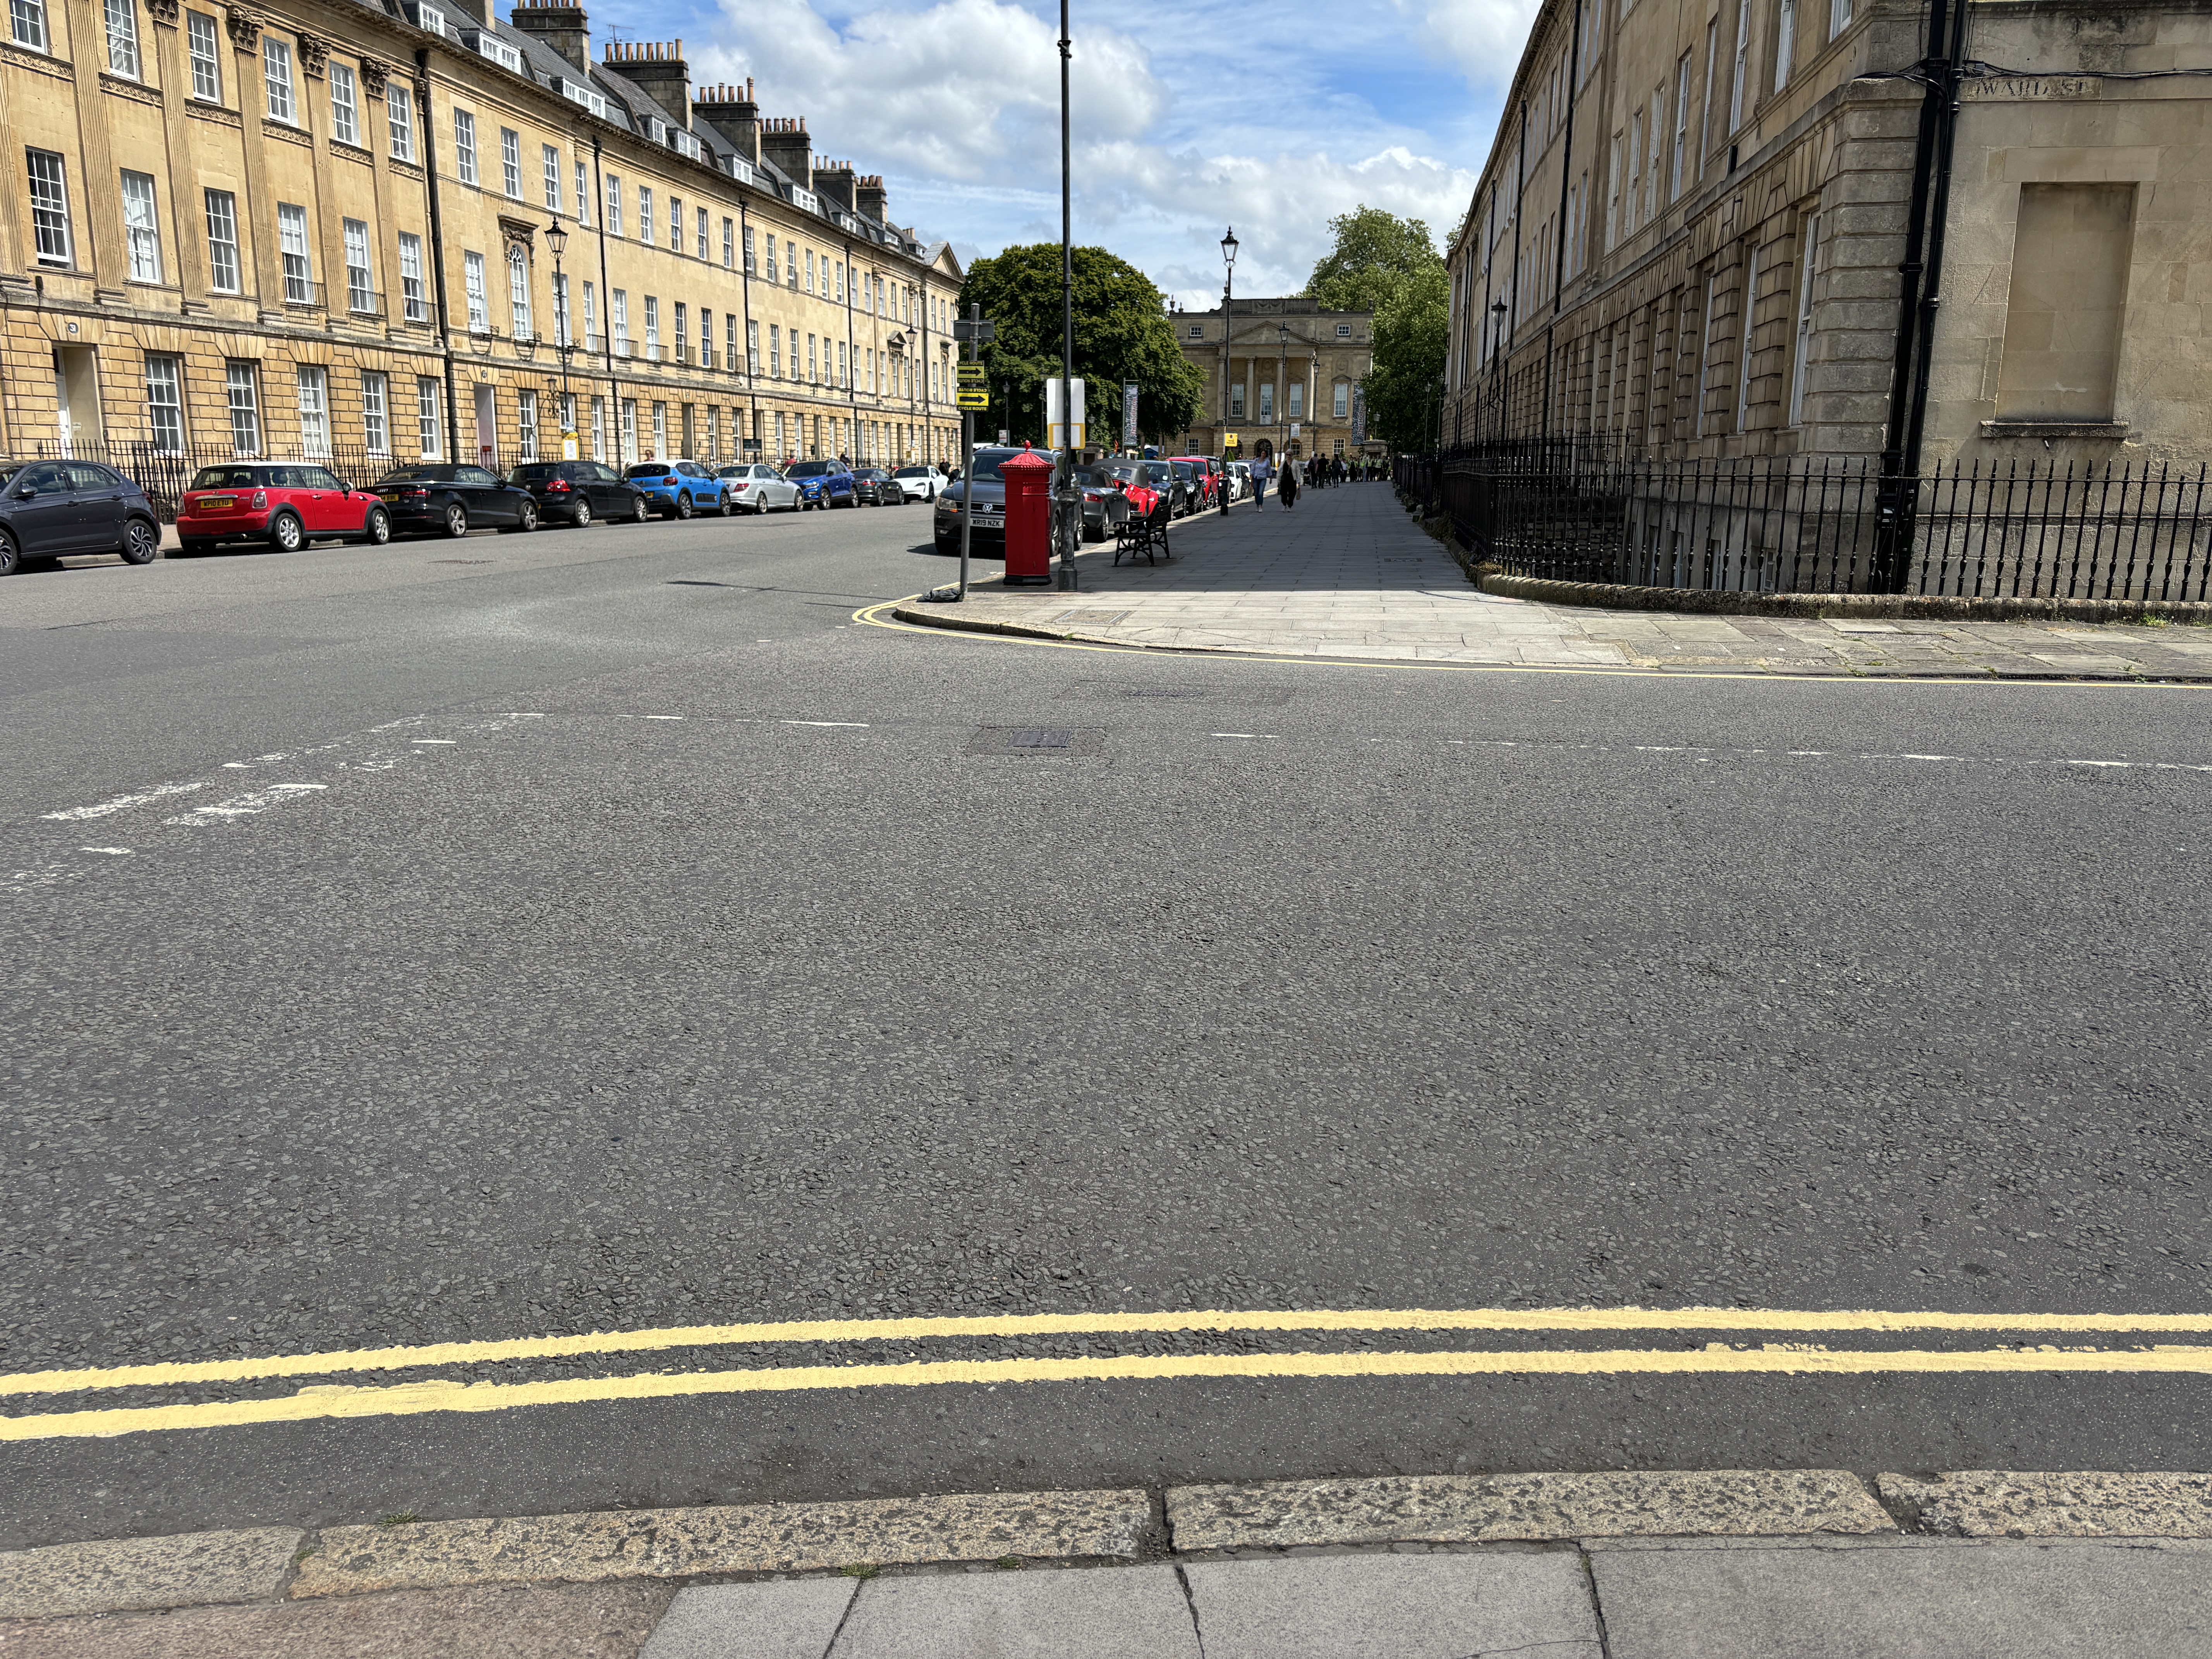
(1289, 488)
(1261, 471)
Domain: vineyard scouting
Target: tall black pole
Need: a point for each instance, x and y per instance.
(1228, 356)
(1066, 478)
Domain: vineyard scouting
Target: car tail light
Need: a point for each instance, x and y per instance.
(260, 500)
(669, 481)
(558, 487)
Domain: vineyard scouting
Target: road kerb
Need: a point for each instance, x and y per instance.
(1101, 1527)
(683, 1543)
(1442, 1508)
(1998, 1504)
(130, 1575)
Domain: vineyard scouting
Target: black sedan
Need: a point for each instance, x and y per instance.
(577, 492)
(450, 498)
(874, 487)
(50, 508)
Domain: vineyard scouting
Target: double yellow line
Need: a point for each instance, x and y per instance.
(408, 1398)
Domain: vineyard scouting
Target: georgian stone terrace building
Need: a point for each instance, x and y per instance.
(1287, 363)
(321, 228)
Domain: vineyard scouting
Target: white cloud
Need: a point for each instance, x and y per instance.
(1485, 38)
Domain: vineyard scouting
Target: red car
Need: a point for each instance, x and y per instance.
(286, 504)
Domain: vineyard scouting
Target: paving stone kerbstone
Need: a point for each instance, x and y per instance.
(187, 1570)
(1905, 1599)
(1484, 1509)
(504, 1621)
(1996, 1503)
(754, 1538)
(1106, 1612)
(778, 1618)
(1395, 1607)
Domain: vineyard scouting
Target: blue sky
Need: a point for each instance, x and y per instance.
(1184, 122)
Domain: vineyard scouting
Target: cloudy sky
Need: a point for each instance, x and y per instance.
(1184, 122)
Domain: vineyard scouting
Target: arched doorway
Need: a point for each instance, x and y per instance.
(1266, 451)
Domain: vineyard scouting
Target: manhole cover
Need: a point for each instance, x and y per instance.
(1091, 618)
(460, 561)
(1048, 741)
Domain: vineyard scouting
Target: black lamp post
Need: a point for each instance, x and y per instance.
(1228, 350)
(1498, 311)
(557, 244)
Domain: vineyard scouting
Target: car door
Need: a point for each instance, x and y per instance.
(99, 505)
(487, 500)
(45, 511)
(330, 509)
(609, 496)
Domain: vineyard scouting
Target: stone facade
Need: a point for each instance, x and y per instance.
(1286, 361)
(321, 228)
(1689, 230)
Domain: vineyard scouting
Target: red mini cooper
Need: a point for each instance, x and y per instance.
(286, 504)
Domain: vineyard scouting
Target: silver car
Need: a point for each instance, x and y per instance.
(921, 483)
(755, 487)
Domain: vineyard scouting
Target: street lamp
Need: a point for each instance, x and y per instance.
(557, 244)
(1498, 311)
(1228, 350)
(1068, 522)
(1283, 391)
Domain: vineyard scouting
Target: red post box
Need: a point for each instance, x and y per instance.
(1028, 519)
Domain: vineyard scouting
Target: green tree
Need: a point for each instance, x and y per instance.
(1404, 382)
(1122, 333)
(1375, 256)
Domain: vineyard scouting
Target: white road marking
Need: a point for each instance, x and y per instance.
(122, 803)
(1826, 754)
(22, 881)
(661, 717)
(444, 743)
(1241, 734)
(240, 806)
(862, 725)
(117, 851)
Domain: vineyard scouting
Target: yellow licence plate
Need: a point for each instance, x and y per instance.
(218, 503)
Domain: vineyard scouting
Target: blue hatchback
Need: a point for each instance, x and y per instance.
(821, 483)
(676, 489)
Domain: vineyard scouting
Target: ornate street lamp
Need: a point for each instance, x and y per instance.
(557, 244)
(1228, 350)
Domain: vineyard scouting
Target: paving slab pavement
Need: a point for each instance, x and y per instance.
(1348, 575)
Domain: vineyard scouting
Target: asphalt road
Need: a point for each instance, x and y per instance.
(600, 932)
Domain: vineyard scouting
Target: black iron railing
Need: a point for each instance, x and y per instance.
(165, 471)
(1585, 509)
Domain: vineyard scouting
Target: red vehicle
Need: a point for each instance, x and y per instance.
(285, 504)
(1206, 473)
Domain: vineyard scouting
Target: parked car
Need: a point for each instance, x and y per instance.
(919, 484)
(676, 489)
(285, 504)
(1240, 480)
(577, 492)
(451, 498)
(1101, 510)
(755, 487)
(1193, 474)
(1156, 478)
(987, 533)
(50, 508)
(821, 483)
(875, 487)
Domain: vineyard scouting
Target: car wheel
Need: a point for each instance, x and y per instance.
(639, 512)
(760, 507)
(11, 557)
(141, 543)
(376, 529)
(728, 507)
(682, 503)
(526, 520)
(286, 534)
(457, 520)
(582, 515)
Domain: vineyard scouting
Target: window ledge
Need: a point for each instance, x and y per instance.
(2112, 431)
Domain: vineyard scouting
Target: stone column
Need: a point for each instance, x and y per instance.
(188, 241)
(384, 233)
(324, 215)
(100, 192)
(257, 213)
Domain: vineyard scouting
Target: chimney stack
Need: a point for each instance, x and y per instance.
(732, 112)
(868, 199)
(835, 181)
(783, 141)
(564, 29)
(658, 68)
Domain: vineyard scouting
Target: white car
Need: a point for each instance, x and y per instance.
(755, 487)
(1240, 480)
(921, 483)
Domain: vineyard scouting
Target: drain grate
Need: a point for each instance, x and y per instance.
(1049, 741)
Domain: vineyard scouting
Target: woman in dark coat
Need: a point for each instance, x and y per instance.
(1287, 489)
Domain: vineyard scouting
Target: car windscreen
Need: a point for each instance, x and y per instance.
(808, 469)
(415, 474)
(648, 470)
(523, 475)
(224, 477)
(911, 473)
(988, 461)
